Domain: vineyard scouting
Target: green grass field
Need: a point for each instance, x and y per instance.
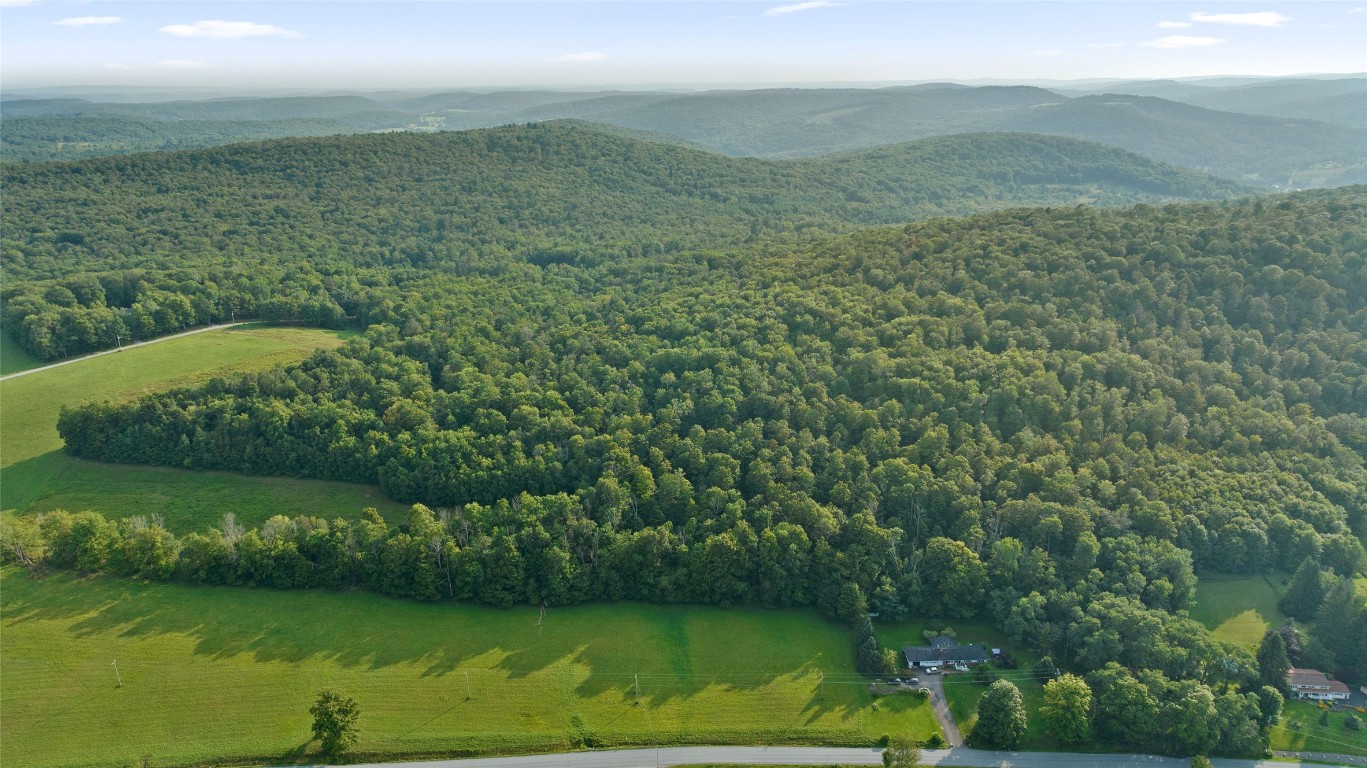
(1300, 731)
(1239, 609)
(228, 674)
(13, 358)
(35, 476)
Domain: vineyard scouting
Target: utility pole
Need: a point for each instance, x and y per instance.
(117, 676)
(637, 678)
(468, 695)
(821, 683)
(118, 341)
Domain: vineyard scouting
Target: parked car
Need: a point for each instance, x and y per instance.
(932, 670)
(913, 681)
(896, 681)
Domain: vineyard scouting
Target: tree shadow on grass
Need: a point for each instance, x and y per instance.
(676, 652)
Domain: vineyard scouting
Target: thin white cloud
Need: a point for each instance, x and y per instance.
(1260, 19)
(183, 64)
(1183, 41)
(1105, 45)
(1358, 9)
(1174, 24)
(1049, 52)
(88, 21)
(16, 3)
(114, 65)
(583, 56)
(227, 30)
(779, 10)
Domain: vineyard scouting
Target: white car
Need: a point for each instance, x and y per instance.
(932, 670)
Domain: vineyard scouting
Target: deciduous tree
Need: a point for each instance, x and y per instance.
(1067, 709)
(1001, 716)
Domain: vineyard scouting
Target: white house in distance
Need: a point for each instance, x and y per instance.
(1314, 684)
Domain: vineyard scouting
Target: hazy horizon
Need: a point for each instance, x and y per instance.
(367, 46)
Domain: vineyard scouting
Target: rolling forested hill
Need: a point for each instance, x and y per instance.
(551, 192)
(1286, 146)
(797, 123)
(1342, 100)
(251, 230)
(66, 137)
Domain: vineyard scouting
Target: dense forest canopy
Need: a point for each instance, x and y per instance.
(453, 199)
(1049, 417)
(138, 246)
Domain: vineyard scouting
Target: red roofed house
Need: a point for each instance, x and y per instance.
(1313, 684)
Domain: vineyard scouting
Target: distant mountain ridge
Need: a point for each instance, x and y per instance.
(543, 193)
(1270, 151)
(1342, 101)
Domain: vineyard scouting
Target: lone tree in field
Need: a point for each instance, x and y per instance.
(1001, 716)
(334, 721)
(1067, 709)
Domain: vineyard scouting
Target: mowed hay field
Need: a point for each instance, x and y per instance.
(228, 674)
(35, 476)
(1239, 609)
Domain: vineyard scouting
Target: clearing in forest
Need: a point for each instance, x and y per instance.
(38, 477)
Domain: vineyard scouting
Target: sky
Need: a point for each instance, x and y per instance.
(376, 44)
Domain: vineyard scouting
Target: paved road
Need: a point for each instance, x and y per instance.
(126, 346)
(672, 756)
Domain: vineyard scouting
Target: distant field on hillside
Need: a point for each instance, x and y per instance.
(226, 673)
(37, 477)
(1239, 609)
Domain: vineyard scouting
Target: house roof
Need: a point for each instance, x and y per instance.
(941, 642)
(1313, 678)
(918, 653)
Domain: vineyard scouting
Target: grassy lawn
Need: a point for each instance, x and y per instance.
(13, 358)
(1300, 731)
(1239, 609)
(961, 693)
(228, 674)
(35, 476)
